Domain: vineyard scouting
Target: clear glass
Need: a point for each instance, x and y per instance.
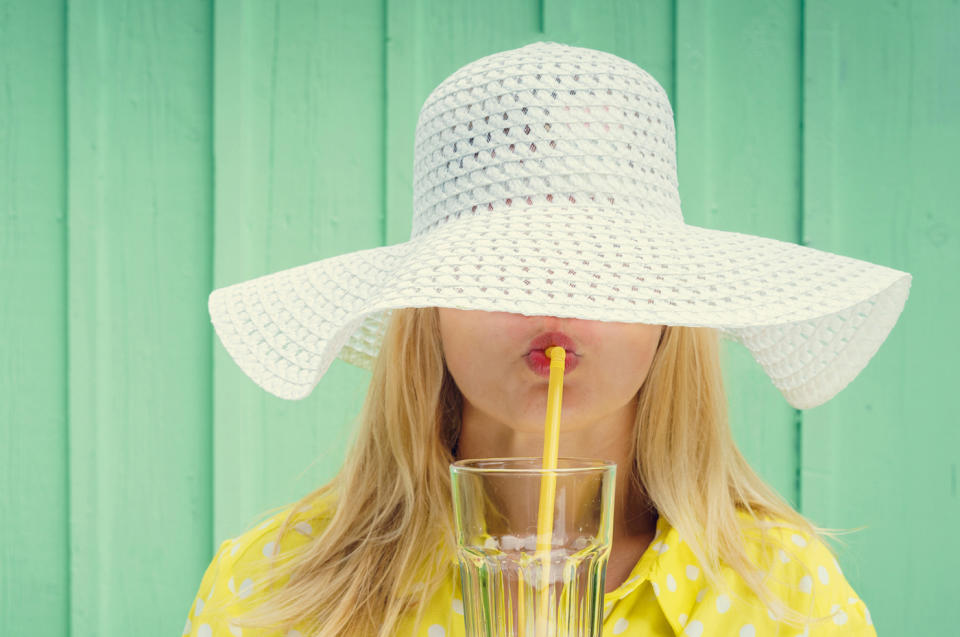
(509, 587)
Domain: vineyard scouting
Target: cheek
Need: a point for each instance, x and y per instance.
(643, 353)
(470, 365)
(626, 369)
(456, 355)
(465, 372)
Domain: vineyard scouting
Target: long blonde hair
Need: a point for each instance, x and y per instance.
(372, 563)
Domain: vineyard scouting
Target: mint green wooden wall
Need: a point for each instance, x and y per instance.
(151, 150)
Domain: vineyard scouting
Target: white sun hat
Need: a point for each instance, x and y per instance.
(545, 184)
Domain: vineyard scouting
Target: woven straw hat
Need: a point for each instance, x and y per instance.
(545, 184)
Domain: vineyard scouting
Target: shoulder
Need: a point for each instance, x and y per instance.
(240, 575)
(777, 546)
(796, 566)
(803, 571)
(266, 540)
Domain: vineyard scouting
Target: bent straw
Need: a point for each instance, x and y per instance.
(548, 482)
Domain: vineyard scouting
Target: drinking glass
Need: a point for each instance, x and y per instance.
(510, 588)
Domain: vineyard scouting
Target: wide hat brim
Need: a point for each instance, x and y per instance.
(812, 319)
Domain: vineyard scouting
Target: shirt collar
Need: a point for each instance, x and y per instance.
(673, 571)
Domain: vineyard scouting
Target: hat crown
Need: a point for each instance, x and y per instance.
(546, 124)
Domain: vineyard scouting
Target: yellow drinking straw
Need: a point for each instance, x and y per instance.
(548, 483)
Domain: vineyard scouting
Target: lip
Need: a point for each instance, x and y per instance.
(537, 359)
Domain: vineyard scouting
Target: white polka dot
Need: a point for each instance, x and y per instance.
(458, 606)
(839, 617)
(269, 548)
(236, 631)
(783, 558)
(621, 626)
(694, 628)
(806, 584)
(198, 608)
(701, 594)
(231, 586)
(866, 612)
(264, 525)
(798, 540)
(671, 583)
(851, 600)
(246, 588)
(186, 629)
(771, 615)
(659, 547)
(748, 631)
(656, 589)
(436, 631)
(823, 575)
(723, 604)
(304, 527)
(204, 631)
(234, 547)
(692, 572)
(682, 619)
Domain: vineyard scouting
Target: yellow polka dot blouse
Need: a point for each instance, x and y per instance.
(665, 594)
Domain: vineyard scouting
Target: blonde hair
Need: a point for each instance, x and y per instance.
(371, 565)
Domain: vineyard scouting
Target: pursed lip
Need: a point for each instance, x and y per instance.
(553, 339)
(537, 359)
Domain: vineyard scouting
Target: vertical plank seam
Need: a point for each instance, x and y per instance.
(801, 239)
(271, 154)
(211, 272)
(384, 119)
(801, 202)
(798, 452)
(65, 238)
(673, 69)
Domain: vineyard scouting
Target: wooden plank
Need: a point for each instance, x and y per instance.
(737, 107)
(299, 145)
(34, 586)
(882, 107)
(139, 196)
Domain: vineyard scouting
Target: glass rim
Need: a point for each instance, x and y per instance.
(586, 465)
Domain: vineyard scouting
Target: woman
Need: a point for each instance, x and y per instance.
(546, 212)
